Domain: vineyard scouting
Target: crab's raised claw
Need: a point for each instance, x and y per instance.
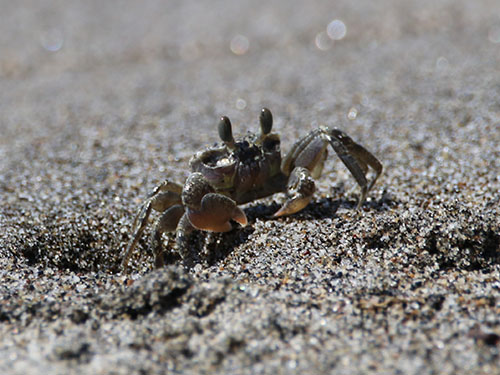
(208, 210)
(357, 159)
(164, 196)
(215, 213)
(300, 190)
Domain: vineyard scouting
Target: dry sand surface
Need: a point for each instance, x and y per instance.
(102, 100)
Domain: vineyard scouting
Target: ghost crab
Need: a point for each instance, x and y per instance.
(239, 171)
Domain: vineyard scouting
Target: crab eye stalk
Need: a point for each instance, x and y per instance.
(225, 132)
(266, 121)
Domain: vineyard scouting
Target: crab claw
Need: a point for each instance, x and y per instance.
(300, 190)
(215, 213)
(293, 205)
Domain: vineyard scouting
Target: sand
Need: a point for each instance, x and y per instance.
(101, 101)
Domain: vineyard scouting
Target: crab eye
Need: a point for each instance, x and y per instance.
(266, 121)
(225, 132)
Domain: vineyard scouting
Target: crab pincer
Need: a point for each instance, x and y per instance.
(208, 210)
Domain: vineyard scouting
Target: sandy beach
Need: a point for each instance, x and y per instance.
(101, 101)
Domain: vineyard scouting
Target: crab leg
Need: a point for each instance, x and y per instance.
(167, 222)
(184, 228)
(164, 196)
(310, 152)
(356, 158)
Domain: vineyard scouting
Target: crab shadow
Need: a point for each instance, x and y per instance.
(218, 246)
(323, 208)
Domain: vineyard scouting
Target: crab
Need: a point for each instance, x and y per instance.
(235, 172)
